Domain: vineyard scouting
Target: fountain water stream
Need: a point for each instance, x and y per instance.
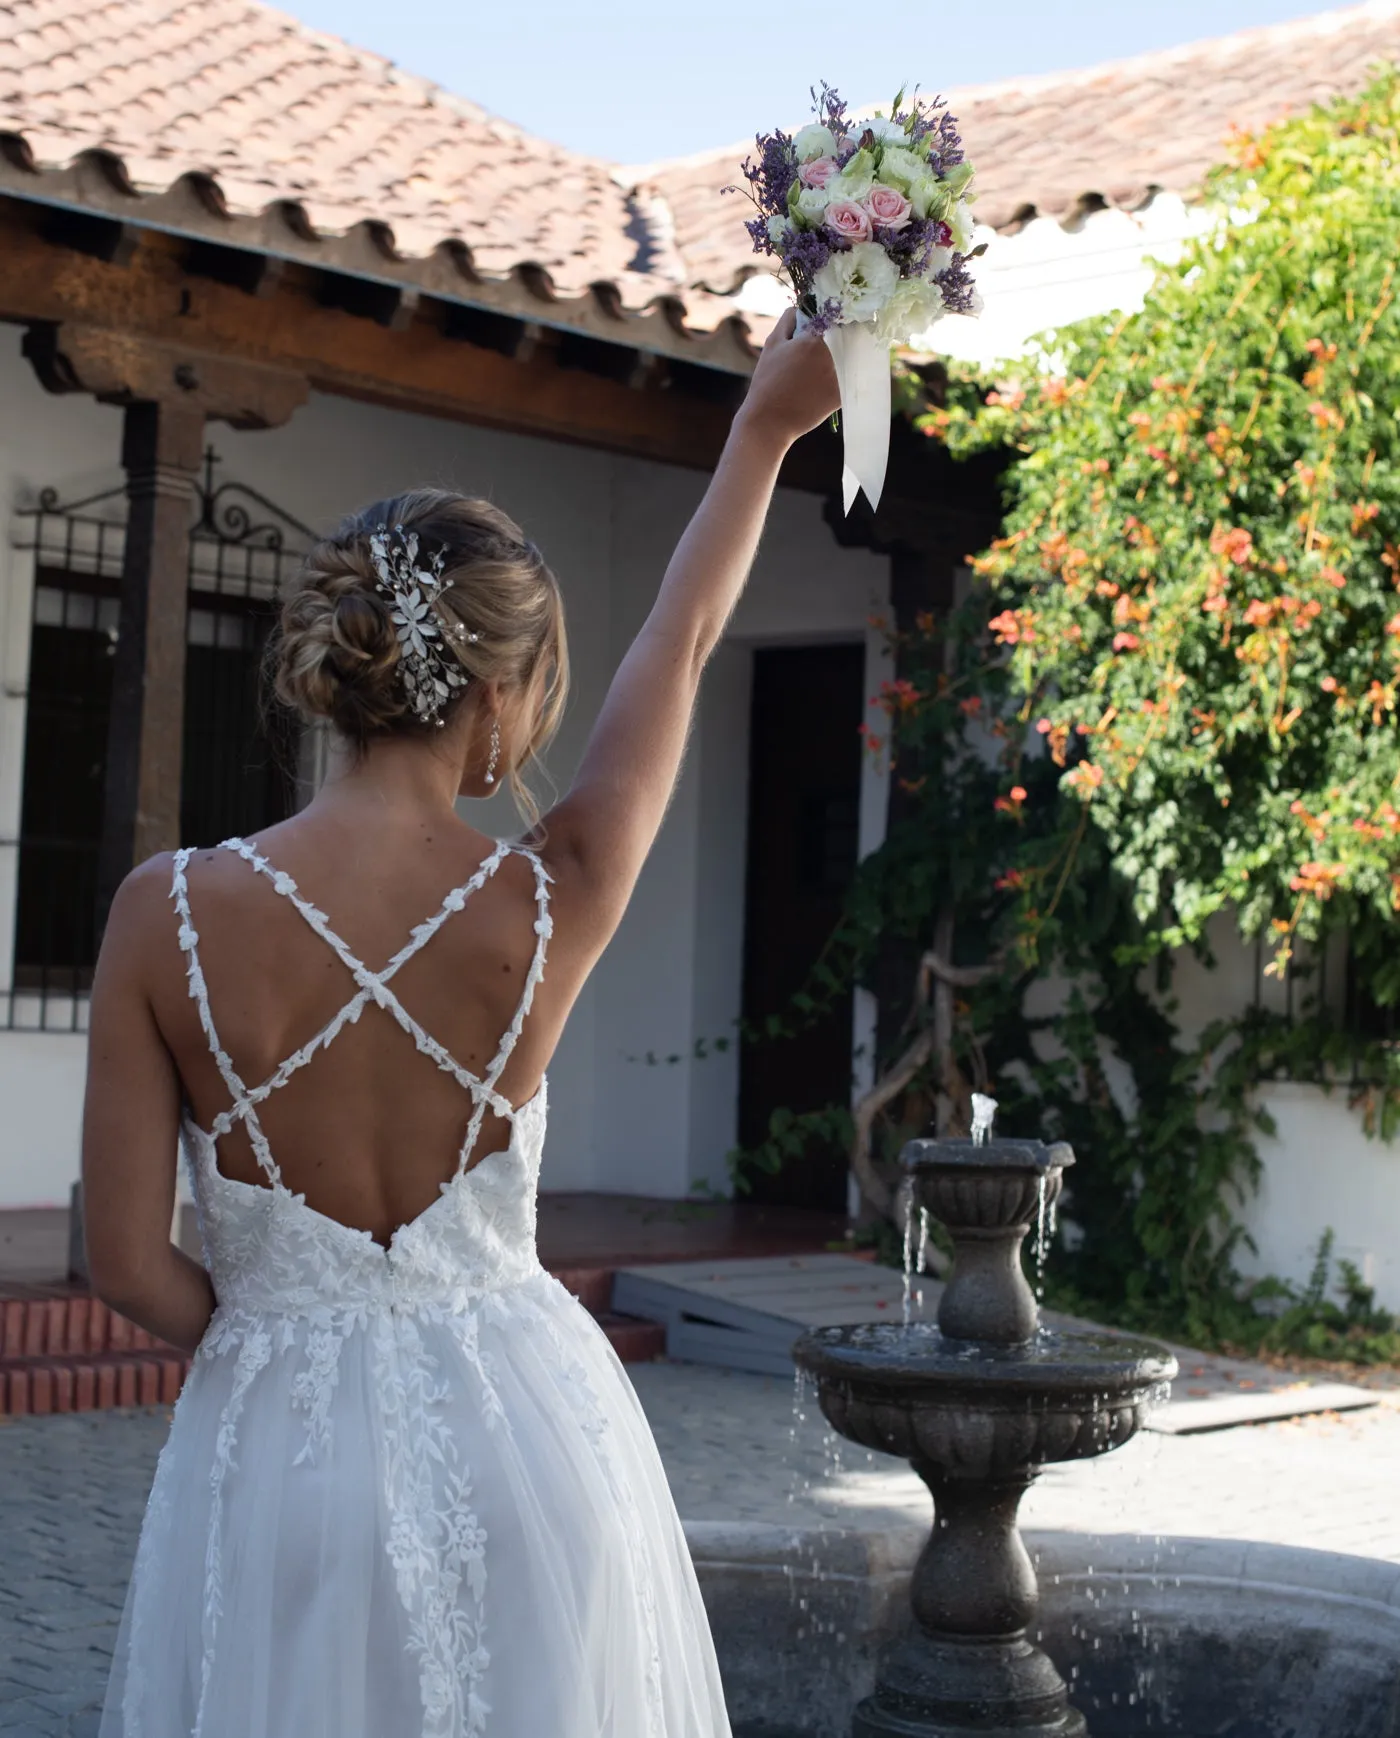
(977, 1405)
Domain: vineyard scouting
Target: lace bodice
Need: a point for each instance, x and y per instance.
(268, 1251)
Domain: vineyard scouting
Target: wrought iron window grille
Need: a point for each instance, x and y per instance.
(238, 752)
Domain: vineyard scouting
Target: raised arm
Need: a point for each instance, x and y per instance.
(602, 830)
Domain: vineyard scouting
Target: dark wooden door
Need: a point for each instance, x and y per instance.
(804, 805)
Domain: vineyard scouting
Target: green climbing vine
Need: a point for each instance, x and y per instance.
(1168, 703)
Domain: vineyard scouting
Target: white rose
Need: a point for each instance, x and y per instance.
(861, 280)
(811, 204)
(814, 141)
(961, 225)
(912, 309)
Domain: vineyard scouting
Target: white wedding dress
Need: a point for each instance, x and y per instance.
(409, 1491)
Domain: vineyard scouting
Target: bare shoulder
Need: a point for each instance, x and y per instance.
(140, 918)
(145, 893)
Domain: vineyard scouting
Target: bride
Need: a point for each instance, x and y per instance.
(408, 1492)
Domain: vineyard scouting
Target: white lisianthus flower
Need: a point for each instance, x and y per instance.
(901, 168)
(886, 132)
(814, 141)
(862, 280)
(913, 308)
(810, 205)
(777, 230)
(939, 259)
(929, 196)
(961, 225)
(855, 180)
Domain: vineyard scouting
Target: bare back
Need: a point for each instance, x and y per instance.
(373, 1109)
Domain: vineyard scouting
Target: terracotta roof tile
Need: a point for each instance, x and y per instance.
(273, 111)
(1114, 132)
(226, 113)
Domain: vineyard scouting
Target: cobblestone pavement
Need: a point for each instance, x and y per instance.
(1329, 1481)
(72, 1490)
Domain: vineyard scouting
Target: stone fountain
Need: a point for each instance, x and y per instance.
(977, 1405)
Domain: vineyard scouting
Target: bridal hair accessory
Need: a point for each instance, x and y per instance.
(431, 673)
(869, 220)
(495, 751)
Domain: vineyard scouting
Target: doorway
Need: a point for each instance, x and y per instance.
(803, 840)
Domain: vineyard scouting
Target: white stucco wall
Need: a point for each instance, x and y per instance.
(1321, 1169)
(607, 525)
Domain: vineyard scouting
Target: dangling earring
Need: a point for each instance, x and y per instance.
(495, 752)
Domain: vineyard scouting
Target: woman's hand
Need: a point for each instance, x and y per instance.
(793, 389)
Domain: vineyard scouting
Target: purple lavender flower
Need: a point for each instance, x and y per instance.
(915, 245)
(773, 174)
(959, 291)
(808, 250)
(830, 110)
(758, 229)
(821, 320)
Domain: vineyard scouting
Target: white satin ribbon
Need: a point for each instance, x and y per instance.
(863, 375)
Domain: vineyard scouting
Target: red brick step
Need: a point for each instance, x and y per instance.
(63, 1350)
(634, 1340)
(86, 1384)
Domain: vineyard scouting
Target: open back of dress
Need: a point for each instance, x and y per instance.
(408, 1491)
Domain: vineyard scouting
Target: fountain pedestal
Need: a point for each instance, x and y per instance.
(977, 1405)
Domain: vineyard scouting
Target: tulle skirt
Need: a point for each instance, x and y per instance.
(413, 1524)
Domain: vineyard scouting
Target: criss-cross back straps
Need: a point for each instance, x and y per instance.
(371, 986)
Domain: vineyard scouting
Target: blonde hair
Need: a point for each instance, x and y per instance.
(336, 654)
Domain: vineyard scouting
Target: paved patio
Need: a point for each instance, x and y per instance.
(72, 1491)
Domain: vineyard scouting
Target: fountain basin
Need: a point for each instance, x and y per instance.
(1166, 1638)
(981, 1411)
(977, 1406)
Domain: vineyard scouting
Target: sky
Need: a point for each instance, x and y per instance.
(639, 80)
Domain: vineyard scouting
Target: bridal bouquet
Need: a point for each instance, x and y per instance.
(870, 220)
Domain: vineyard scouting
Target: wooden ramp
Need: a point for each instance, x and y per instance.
(746, 1314)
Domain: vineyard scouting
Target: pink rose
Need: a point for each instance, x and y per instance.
(850, 221)
(888, 207)
(818, 172)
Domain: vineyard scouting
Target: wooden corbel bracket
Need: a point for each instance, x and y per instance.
(119, 368)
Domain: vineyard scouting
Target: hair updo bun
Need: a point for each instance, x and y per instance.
(336, 657)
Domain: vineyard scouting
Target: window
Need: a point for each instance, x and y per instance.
(239, 749)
